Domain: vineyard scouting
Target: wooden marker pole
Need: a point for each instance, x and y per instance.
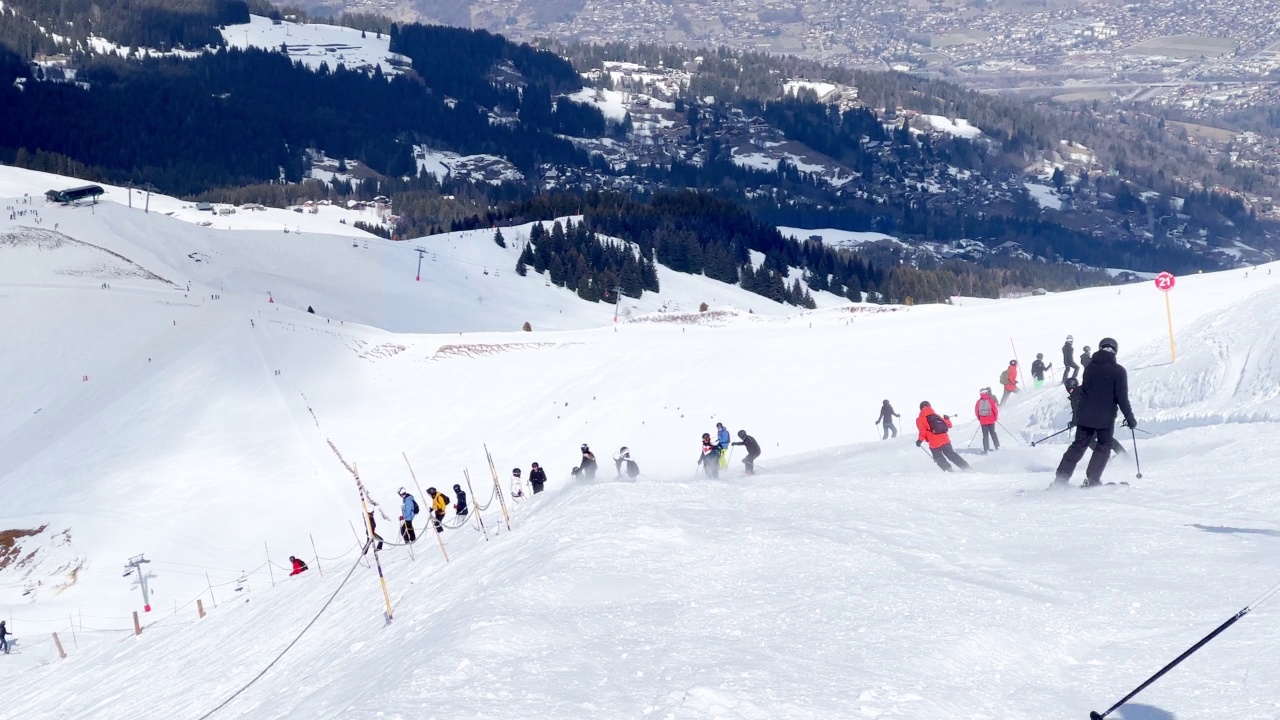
(62, 653)
(200, 607)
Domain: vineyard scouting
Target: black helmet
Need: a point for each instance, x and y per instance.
(431, 492)
(584, 447)
(886, 402)
(1086, 348)
(1071, 384)
(457, 488)
(924, 404)
(535, 466)
(742, 434)
(1039, 356)
(706, 436)
(624, 449)
(515, 471)
(1109, 344)
(1013, 362)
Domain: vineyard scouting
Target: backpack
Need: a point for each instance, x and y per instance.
(414, 500)
(937, 425)
(984, 407)
(632, 468)
(1004, 377)
(447, 501)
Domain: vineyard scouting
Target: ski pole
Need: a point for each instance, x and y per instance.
(974, 437)
(1035, 442)
(1095, 715)
(1136, 462)
(1015, 437)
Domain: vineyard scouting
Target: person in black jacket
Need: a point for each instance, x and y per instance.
(1069, 366)
(1085, 357)
(1105, 388)
(460, 508)
(1073, 396)
(885, 420)
(1038, 369)
(753, 451)
(537, 477)
(588, 462)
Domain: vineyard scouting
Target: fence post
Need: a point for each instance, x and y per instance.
(137, 626)
(200, 606)
(317, 554)
(62, 653)
(270, 572)
(210, 583)
(73, 632)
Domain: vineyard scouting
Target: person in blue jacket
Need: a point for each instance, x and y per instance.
(723, 440)
(460, 507)
(408, 510)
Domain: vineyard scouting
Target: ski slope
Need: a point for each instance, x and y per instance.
(850, 578)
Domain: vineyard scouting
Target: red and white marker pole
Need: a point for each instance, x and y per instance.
(1164, 283)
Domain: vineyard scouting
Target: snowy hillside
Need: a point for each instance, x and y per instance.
(313, 44)
(849, 579)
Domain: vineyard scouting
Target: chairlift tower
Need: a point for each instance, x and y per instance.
(134, 567)
(421, 251)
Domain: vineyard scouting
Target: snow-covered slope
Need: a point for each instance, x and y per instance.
(313, 44)
(849, 579)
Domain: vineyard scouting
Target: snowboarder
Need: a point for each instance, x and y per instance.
(933, 428)
(408, 510)
(298, 566)
(988, 413)
(588, 466)
(1009, 379)
(1069, 366)
(624, 461)
(710, 458)
(373, 528)
(439, 503)
(538, 477)
(722, 439)
(1104, 390)
(460, 508)
(1038, 369)
(1073, 396)
(4, 635)
(886, 420)
(1086, 357)
(753, 451)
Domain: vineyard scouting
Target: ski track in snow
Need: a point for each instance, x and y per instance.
(848, 579)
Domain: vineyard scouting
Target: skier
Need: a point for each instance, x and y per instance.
(886, 420)
(460, 508)
(1085, 358)
(1009, 379)
(722, 439)
(933, 428)
(988, 413)
(4, 634)
(624, 460)
(439, 502)
(753, 451)
(373, 528)
(588, 466)
(1104, 390)
(710, 458)
(1038, 369)
(408, 509)
(298, 566)
(1073, 396)
(517, 488)
(1069, 366)
(538, 477)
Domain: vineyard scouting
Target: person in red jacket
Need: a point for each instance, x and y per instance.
(298, 566)
(1009, 378)
(988, 413)
(933, 429)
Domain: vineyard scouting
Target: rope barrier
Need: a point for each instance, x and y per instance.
(288, 647)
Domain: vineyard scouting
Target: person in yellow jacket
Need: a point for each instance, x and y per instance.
(439, 503)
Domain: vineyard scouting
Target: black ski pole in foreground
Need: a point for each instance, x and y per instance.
(1134, 435)
(1007, 433)
(1035, 442)
(1095, 715)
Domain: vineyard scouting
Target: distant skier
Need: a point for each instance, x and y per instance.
(460, 508)
(988, 413)
(710, 458)
(1009, 379)
(753, 451)
(4, 637)
(1073, 397)
(311, 310)
(439, 503)
(538, 478)
(517, 483)
(722, 439)
(1085, 358)
(408, 510)
(1104, 390)
(933, 429)
(298, 566)
(588, 465)
(1069, 366)
(624, 463)
(373, 528)
(886, 420)
(1038, 369)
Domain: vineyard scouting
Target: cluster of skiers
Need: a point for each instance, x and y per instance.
(715, 453)
(1096, 388)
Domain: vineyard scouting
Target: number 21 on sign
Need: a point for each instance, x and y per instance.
(1165, 282)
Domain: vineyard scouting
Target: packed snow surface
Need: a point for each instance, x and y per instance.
(849, 578)
(313, 44)
(958, 127)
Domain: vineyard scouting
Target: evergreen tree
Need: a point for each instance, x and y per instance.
(498, 239)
